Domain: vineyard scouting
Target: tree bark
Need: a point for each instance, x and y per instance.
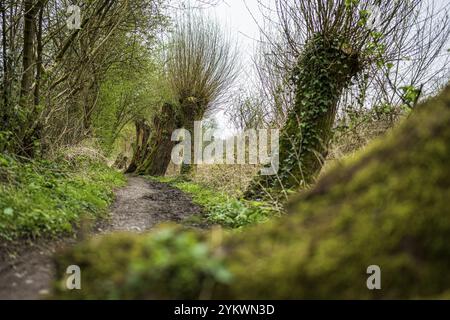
(191, 110)
(153, 152)
(323, 71)
(39, 58)
(31, 130)
(6, 78)
(27, 56)
(140, 145)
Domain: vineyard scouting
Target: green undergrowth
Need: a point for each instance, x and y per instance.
(42, 198)
(220, 208)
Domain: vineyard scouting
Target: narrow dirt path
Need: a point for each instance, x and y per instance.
(142, 204)
(138, 207)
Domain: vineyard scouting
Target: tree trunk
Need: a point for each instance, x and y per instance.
(152, 157)
(39, 58)
(188, 168)
(191, 111)
(27, 56)
(31, 130)
(6, 74)
(139, 147)
(159, 151)
(323, 71)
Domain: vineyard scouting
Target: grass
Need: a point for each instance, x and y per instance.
(42, 198)
(223, 209)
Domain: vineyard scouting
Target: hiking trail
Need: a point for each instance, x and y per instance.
(138, 207)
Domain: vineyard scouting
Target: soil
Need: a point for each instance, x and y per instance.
(138, 207)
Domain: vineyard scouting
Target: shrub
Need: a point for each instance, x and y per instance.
(181, 261)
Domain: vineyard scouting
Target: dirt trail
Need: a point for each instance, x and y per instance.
(137, 208)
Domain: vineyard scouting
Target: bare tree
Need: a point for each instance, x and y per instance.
(201, 66)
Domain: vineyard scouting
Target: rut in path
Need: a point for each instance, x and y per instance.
(138, 207)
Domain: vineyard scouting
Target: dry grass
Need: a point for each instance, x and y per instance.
(88, 148)
(229, 179)
(348, 141)
(234, 179)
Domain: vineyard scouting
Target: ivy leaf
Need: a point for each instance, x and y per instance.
(8, 211)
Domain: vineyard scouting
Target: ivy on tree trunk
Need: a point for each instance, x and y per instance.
(324, 70)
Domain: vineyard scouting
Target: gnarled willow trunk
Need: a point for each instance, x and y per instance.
(141, 144)
(153, 145)
(386, 206)
(323, 71)
(191, 110)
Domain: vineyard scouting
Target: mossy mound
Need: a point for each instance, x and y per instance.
(387, 206)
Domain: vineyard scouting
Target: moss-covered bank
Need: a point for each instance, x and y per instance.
(387, 206)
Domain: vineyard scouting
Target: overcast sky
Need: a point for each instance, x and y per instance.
(238, 16)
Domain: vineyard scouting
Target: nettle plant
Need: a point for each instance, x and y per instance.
(325, 46)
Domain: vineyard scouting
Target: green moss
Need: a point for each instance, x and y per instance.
(45, 199)
(387, 206)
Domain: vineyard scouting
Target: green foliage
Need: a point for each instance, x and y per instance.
(178, 260)
(43, 198)
(410, 95)
(5, 140)
(129, 91)
(223, 209)
(350, 3)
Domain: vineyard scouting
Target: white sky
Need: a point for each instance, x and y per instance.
(234, 15)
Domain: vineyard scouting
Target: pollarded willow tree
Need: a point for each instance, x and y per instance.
(321, 47)
(201, 65)
(153, 145)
